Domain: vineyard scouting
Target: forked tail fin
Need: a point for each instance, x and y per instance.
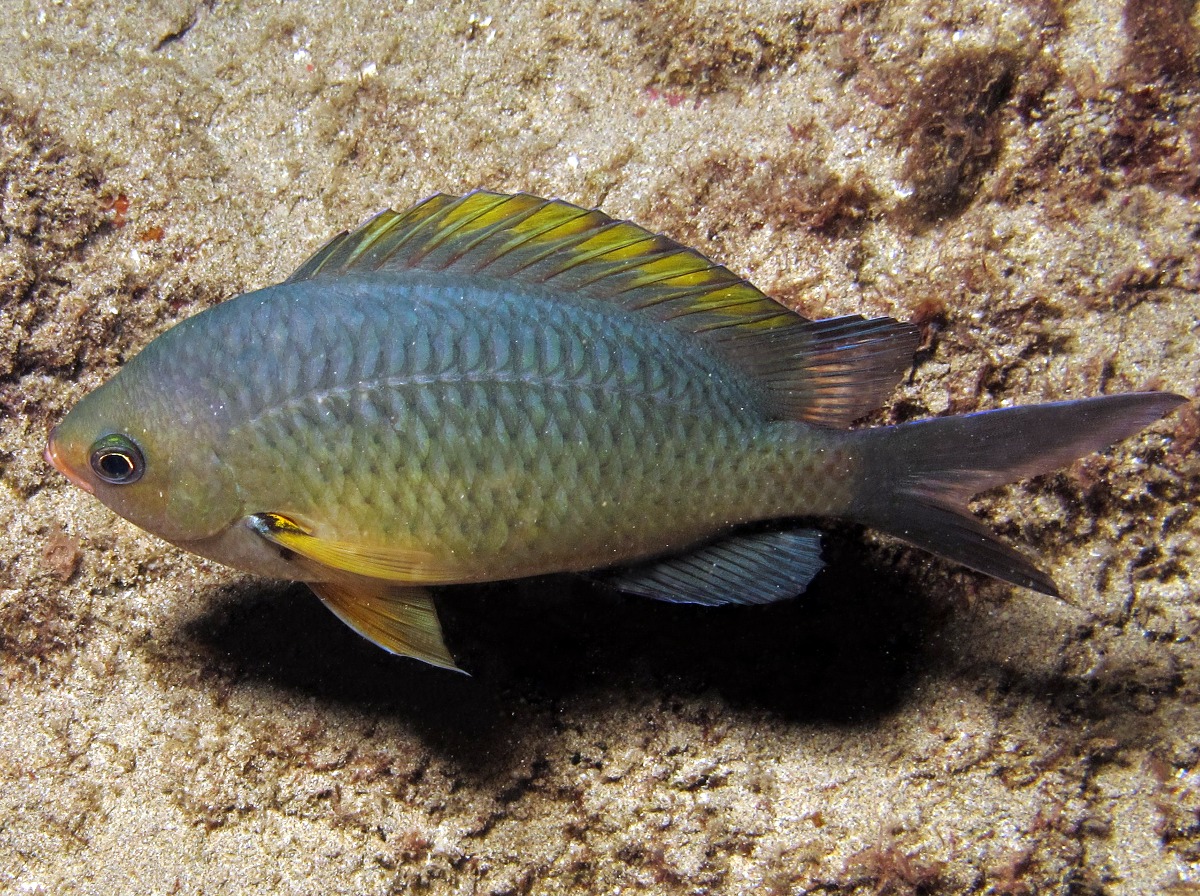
(922, 474)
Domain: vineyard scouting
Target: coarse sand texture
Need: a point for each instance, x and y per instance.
(1021, 180)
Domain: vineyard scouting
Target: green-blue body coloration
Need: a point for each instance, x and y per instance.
(495, 387)
(505, 431)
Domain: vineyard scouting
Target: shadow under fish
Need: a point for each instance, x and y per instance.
(849, 652)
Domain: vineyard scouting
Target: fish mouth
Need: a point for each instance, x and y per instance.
(52, 458)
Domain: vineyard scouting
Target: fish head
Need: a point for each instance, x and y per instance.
(149, 456)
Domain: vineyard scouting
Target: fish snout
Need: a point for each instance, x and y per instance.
(52, 456)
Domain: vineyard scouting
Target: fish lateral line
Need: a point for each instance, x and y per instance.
(416, 381)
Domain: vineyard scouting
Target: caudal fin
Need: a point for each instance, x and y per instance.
(931, 468)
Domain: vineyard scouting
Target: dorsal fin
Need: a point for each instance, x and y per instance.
(823, 372)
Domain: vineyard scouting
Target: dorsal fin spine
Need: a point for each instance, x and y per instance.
(578, 256)
(368, 255)
(363, 251)
(317, 262)
(410, 224)
(574, 223)
(552, 247)
(607, 271)
(688, 279)
(680, 266)
(768, 321)
(568, 215)
(730, 311)
(661, 296)
(449, 221)
(487, 233)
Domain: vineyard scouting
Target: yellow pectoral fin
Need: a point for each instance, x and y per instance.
(400, 620)
(399, 564)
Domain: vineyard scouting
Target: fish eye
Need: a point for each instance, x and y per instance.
(117, 460)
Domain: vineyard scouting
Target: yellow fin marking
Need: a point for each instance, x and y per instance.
(396, 564)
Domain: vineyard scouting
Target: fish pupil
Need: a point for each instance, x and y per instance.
(116, 466)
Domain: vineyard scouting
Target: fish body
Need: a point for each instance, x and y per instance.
(506, 434)
(491, 387)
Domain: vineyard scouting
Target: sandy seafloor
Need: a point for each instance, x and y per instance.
(1022, 178)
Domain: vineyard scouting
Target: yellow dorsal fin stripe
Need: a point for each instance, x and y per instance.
(458, 218)
(538, 241)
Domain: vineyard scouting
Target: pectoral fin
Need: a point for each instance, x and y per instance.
(397, 563)
(403, 621)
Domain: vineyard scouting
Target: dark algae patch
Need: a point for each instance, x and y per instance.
(694, 52)
(795, 191)
(50, 208)
(1155, 138)
(1164, 45)
(950, 130)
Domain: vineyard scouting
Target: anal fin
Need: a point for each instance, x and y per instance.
(401, 620)
(756, 568)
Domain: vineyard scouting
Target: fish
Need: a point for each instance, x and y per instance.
(498, 386)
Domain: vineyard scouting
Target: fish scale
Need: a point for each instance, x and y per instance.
(495, 386)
